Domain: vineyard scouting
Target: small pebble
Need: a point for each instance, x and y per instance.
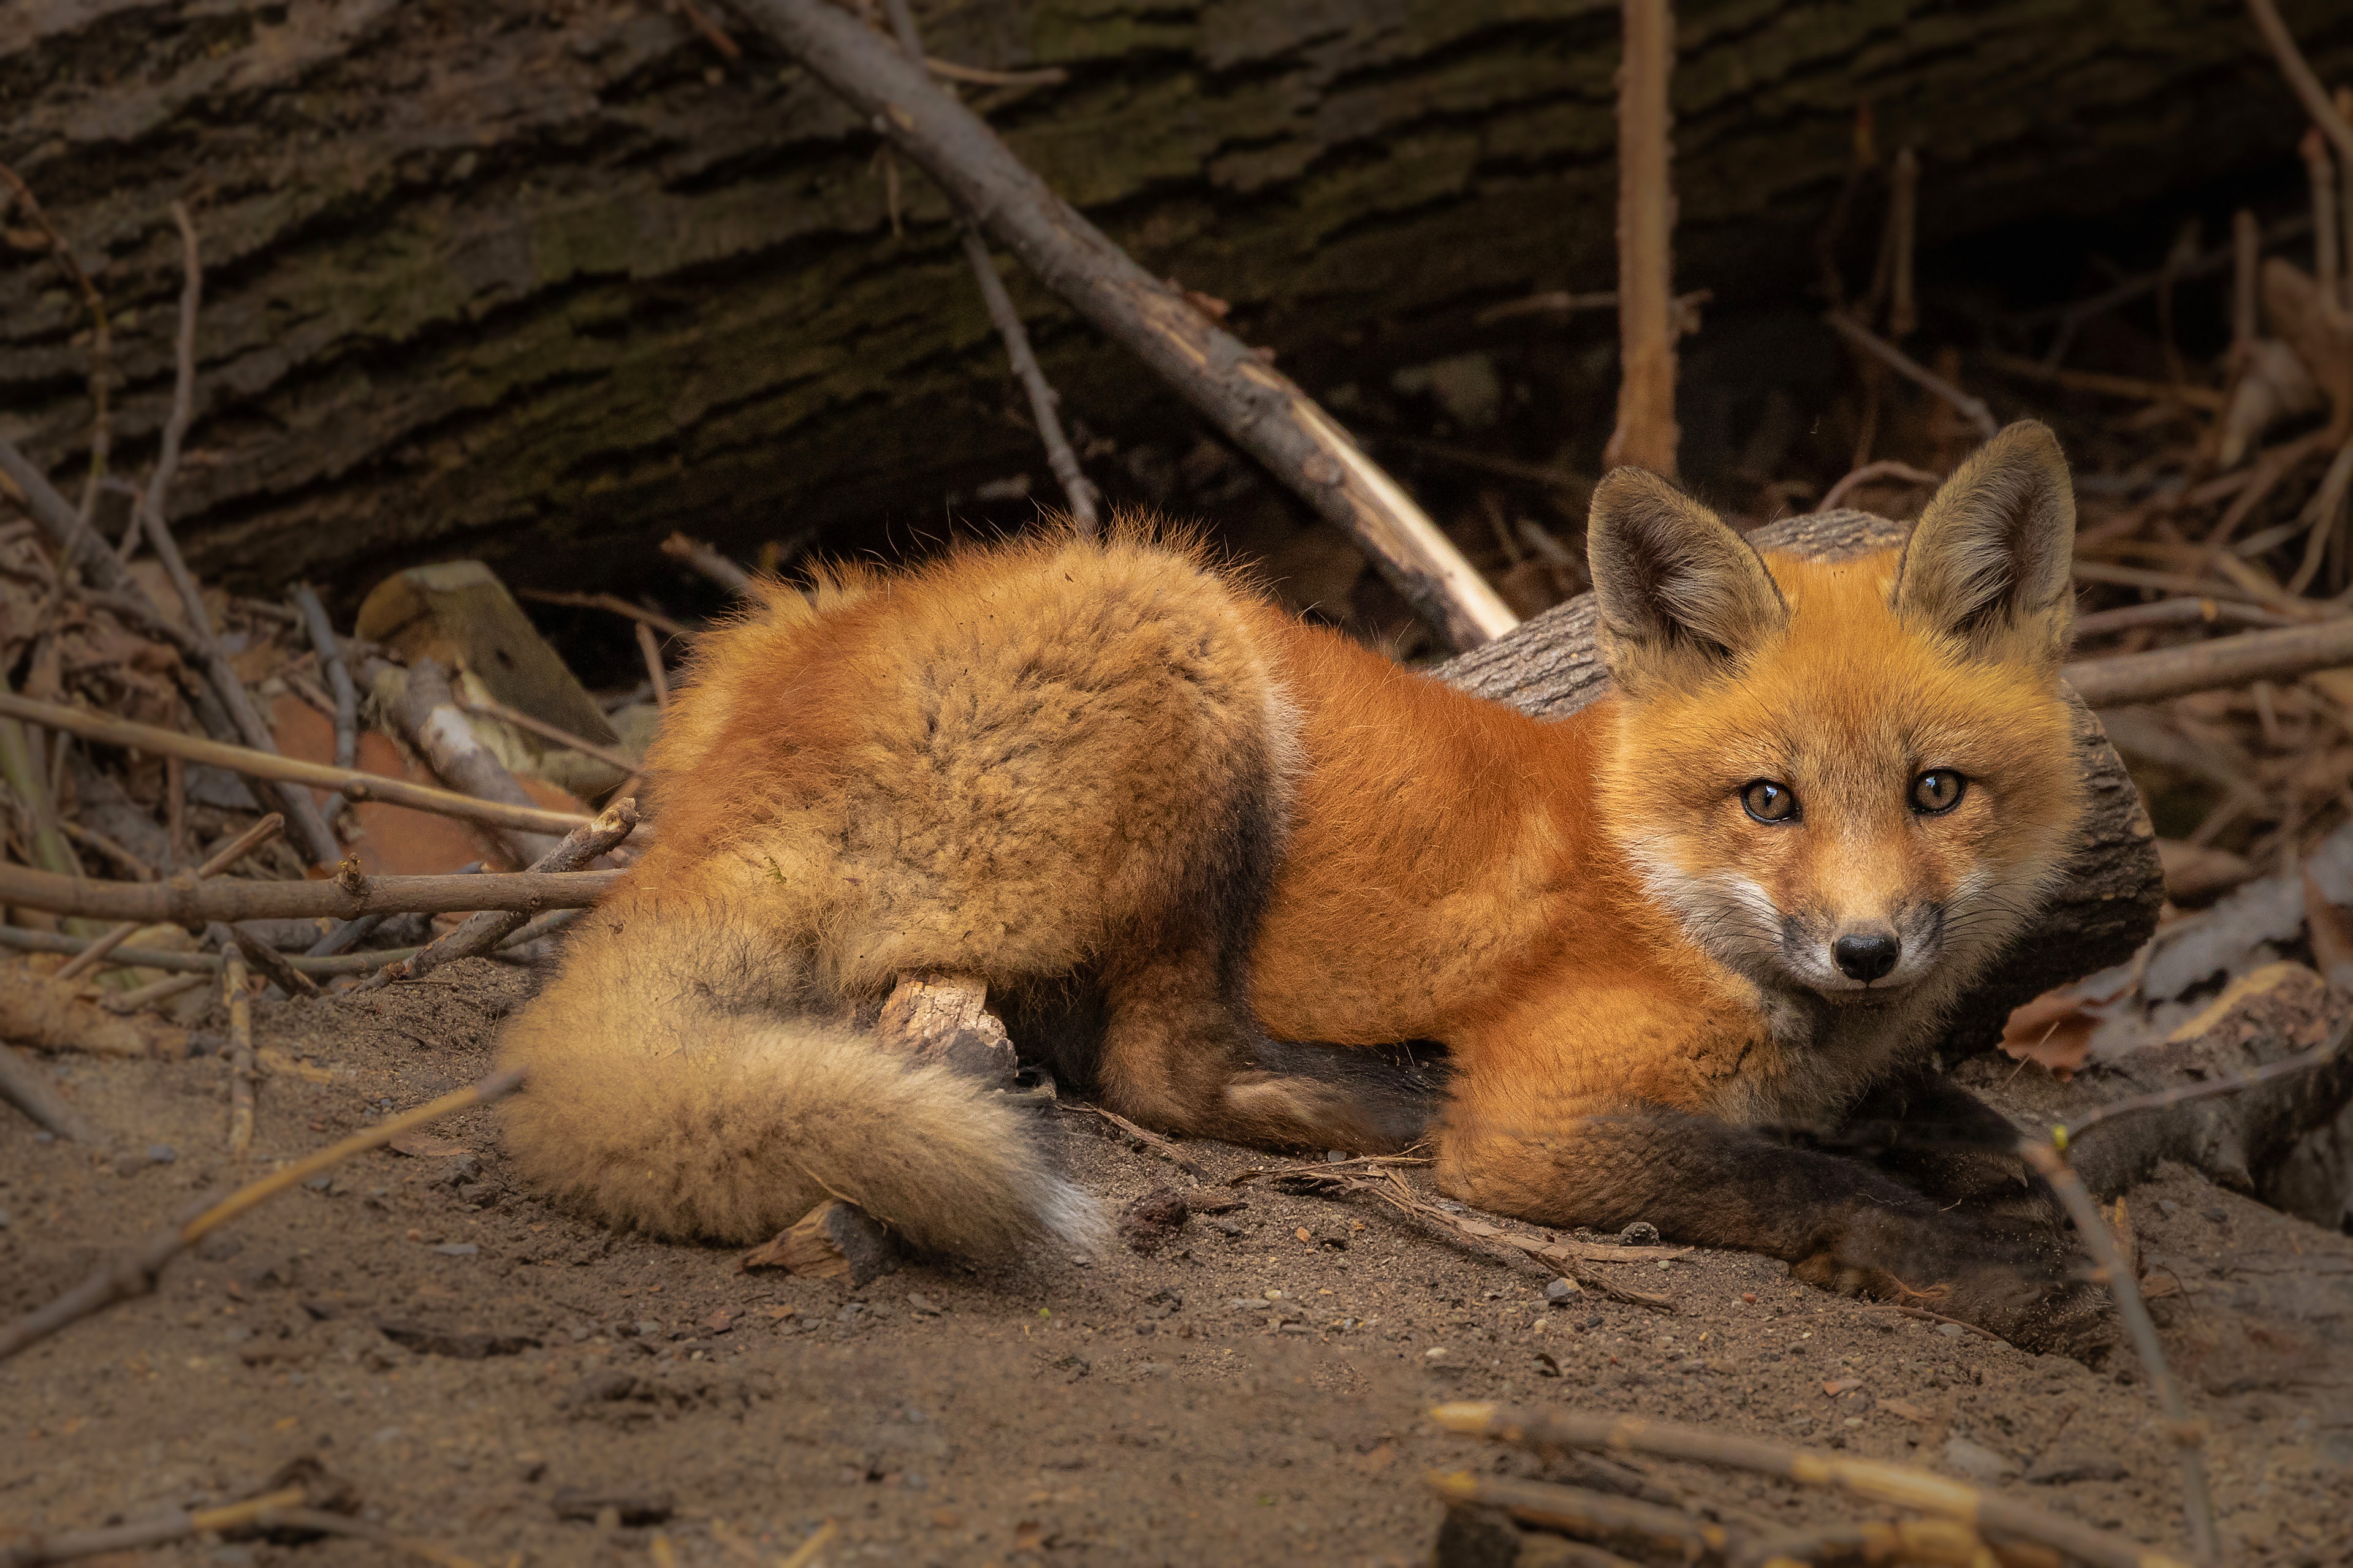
(1336, 1156)
(1274, 1295)
(320, 1184)
(457, 1250)
(1435, 1353)
(1560, 1289)
(2217, 1214)
(1642, 1233)
(1950, 1330)
(647, 1328)
(161, 1153)
(45, 1137)
(2169, 1207)
(919, 1303)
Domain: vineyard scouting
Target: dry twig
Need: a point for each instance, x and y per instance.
(344, 896)
(345, 694)
(710, 562)
(1973, 409)
(355, 785)
(423, 704)
(28, 1088)
(1998, 1517)
(198, 966)
(649, 648)
(489, 707)
(239, 998)
(2279, 654)
(1871, 473)
(486, 930)
(1256, 406)
(263, 832)
(614, 603)
(134, 1272)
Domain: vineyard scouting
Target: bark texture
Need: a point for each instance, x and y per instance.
(2107, 900)
(526, 277)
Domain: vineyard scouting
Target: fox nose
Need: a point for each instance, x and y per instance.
(1866, 957)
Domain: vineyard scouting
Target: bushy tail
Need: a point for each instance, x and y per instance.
(679, 1086)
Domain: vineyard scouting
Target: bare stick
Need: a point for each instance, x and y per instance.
(2287, 1067)
(2280, 655)
(1901, 1485)
(1578, 1509)
(90, 838)
(2207, 397)
(614, 603)
(265, 959)
(134, 1272)
(710, 562)
(1973, 409)
(650, 649)
(2176, 612)
(1646, 434)
(491, 709)
(180, 1524)
(2322, 171)
(489, 928)
(1259, 409)
(102, 346)
(346, 696)
(1885, 468)
(727, 47)
(25, 775)
(2299, 75)
(2197, 1502)
(979, 75)
(147, 995)
(254, 764)
(78, 546)
(1150, 1139)
(239, 998)
(29, 1089)
(230, 854)
(184, 381)
(344, 896)
(199, 965)
(1903, 233)
(1044, 401)
(424, 707)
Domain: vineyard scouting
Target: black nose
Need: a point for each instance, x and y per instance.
(1865, 958)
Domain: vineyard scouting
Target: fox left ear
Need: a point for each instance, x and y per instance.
(1991, 557)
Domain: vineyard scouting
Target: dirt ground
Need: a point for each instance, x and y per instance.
(1255, 1392)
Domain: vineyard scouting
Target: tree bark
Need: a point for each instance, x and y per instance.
(2106, 903)
(517, 278)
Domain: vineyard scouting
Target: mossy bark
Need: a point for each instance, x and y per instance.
(540, 280)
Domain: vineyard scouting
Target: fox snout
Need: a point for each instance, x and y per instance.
(1866, 955)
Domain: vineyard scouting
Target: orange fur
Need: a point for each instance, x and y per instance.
(1060, 762)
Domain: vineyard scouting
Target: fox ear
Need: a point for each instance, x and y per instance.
(1991, 559)
(1672, 581)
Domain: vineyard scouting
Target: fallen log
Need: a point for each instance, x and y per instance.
(162, 903)
(2107, 901)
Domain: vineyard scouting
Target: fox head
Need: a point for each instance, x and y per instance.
(1846, 777)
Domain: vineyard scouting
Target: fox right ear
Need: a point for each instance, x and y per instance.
(1672, 581)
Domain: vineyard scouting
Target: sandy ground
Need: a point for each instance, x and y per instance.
(1253, 1391)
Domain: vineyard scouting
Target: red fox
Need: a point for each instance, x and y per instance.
(1207, 857)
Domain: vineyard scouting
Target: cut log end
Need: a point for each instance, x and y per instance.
(834, 1240)
(945, 1018)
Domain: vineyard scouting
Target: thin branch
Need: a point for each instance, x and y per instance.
(614, 603)
(489, 707)
(263, 832)
(2067, 1135)
(425, 709)
(1044, 401)
(344, 896)
(178, 1525)
(1253, 405)
(102, 347)
(1885, 468)
(259, 764)
(2212, 399)
(239, 998)
(2195, 611)
(2197, 1502)
(2300, 76)
(134, 1272)
(1871, 1480)
(1581, 1512)
(1149, 1139)
(32, 1091)
(711, 564)
(196, 965)
(184, 381)
(979, 75)
(329, 649)
(2280, 655)
(1973, 409)
(489, 928)
(1645, 435)
(650, 649)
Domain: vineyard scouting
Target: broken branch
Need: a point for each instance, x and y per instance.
(1901, 1485)
(135, 1271)
(1646, 434)
(230, 854)
(2280, 655)
(252, 763)
(711, 564)
(225, 899)
(1259, 409)
(1973, 409)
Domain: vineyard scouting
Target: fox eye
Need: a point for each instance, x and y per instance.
(1768, 802)
(1937, 791)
